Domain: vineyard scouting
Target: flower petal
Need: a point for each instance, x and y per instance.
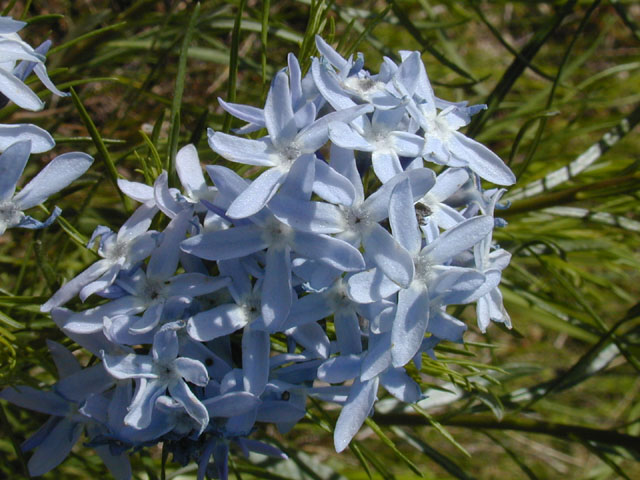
(257, 194)
(354, 412)
(234, 242)
(256, 347)
(58, 173)
(410, 324)
(41, 140)
(12, 163)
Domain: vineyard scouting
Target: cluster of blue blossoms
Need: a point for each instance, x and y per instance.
(323, 277)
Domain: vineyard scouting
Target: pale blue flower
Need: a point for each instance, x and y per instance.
(13, 49)
(156, 373)
(122, 251)
(280, 241)
(55, 439)
(58, 173)
(433, 274)
(286, 146)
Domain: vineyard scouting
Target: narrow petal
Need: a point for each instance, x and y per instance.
(234, 242)
(344, 136)
(137, 224)
(340, 369)
(164, 259)
(329, 250)
(37, 400)
(231, 404)
(400, 385)
(72, 287)
(12, 163)
(181, 392)
(388, 255)
(386, 165)
(402, 217)
(189, 169)
(129, 366)
(377, 205)
(378, 356)
(329, 87)
(217, 322)
(298, 183)
(344, 162)
(192, 371)
(406, 144)
(255, 360)
(458, 239)
(448, 183)
(445, 326)
(276, 288)
(256, 196)
(481, 160)
(118, 464)
(312, 338)
(313, 217)
(55, 448)
(370, 286)
(348, 334)
(309, 308)
(66, 363)
(140, 192)
(9, 25)
(278, 411)
(41, 140)
(244, 112)
(165, 198)
(195, 284)
(332, 186)
(165, 345)
(278, 112)
(262, 448)
(141, 408)
(410, 325)
(354, 412)
(58, 173)
(241, 150)
(41, 72)
(16, 91)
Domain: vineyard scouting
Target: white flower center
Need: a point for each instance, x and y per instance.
(423, 266)
(364, 87)
(277, 234)
(10, 215)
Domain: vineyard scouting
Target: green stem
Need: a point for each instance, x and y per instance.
(529, 425)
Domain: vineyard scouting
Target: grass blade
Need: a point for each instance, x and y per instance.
(389, 443)
(174, 122)
(517, 68)
(100, 146)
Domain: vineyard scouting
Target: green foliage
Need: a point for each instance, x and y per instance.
(557, 395)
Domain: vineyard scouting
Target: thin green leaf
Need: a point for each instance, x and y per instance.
(443, 431)
(445, 462)
(517, 68)
(174, 120)
(389, 443)
(580, 164)
(99, 144)
(7, 320)
(355, 448)
(523, 466)
(86, 36)
(233, 64)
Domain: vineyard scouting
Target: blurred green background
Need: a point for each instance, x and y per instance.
(555, 397)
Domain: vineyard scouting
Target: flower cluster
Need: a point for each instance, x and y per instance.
(18, 142)
(322, 277)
